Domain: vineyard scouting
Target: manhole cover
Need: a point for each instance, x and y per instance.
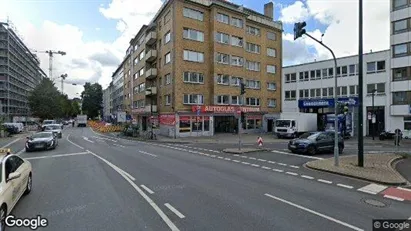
(374, 203)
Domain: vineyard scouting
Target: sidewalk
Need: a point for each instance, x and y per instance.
(223, 139)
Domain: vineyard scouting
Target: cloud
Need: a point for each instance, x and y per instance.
(106, 59)
(294, 13)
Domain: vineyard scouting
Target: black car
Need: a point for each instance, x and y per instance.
(41, 141)
(315, 142)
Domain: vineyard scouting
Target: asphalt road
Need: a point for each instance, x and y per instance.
(93, 182)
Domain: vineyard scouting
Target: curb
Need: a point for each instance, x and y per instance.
(364, 178)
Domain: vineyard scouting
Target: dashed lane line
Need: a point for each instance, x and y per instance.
(293, 166)
(265, 167)
(147, 189)
(174, 210)
(291, 154)
(345, 186)
(277, 170)
(255, 165)
(291, 173)
(325, 181)
(307, 177)
(246, 163)
(282, 164)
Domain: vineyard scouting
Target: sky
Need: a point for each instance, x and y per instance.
(96, 33)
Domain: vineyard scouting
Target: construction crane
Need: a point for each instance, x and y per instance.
(63, 77)
(51, 53)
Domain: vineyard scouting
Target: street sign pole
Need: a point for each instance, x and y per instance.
(239, 131)
(198, 114)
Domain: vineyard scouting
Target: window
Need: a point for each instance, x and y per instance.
(237, 61)
(235, 81)
(167, 17)
(291, 78)
(351, 70)
(344, 91)
(344, 71)
(236, 100)
(271, 36)
(271, 52)
(252, 66)
(141, 72)
(253, 48)
(193, 77)
(304, 76)
(193, 56)
(253, 30)
(371, 67)
(312, 75)
(318, 92)
(318, 74)
(223, 79)
(193, 14)
(330, 72)
(400, 74)
(237, 22)
(237, 41)
(223, 58)
(312, 93)
(400, 50)
(193, 99)
(167, 37)
(325, 92)
(398, 4)
(301, 94)
(141, 87)
(407, 123)
(141, 55)
(325, 73)
(380, 66)
(272, 103)
(193, 35)
(136, 61)
(222, 18)
(167, 58)
(253, 84)
(167, 99)
(290, 95)
(353, 90)
(401, 98)
(222, 38)
(135, 75)
(250, 101)
(223, 99)
(400, 26)
(271, 86)
(379, 87)
(330, 91)
(338, 71)
(338, 91)
(271, 69)
(167, 78)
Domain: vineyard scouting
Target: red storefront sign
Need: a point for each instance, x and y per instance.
(225, 109)
(185, 118)
(254, 117)
(167, 119)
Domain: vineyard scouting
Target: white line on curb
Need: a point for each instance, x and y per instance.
(147, 189)
(174, 210)
(405, 189)
(393, 198)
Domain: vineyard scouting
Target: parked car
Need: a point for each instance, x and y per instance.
(55, 128)
(388, 135)
(41, 141)
(315, 142)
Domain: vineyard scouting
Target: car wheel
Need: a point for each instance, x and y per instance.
(311, 150)
(28, 186)
(3, 214)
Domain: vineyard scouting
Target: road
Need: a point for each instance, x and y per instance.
(96, 182)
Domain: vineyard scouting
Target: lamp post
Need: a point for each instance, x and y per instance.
(373, 121)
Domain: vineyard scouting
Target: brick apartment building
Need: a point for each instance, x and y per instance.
(183, 70)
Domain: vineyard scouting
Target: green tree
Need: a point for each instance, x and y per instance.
(66, 107)
(45, 100)
(75, 108)
(92, 99)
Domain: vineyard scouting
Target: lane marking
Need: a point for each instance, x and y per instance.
(282, 164)
(174, 210)
(302, 156)
(291, 173)
(86, 139)
(58, 155)
(20, 152)
(271, 162)
(147, 189)
(227, 159)
(244, 157)
(119, 145)
(104, 138)
(255, 165)
(12, 142)
(262, 160)
(220, 157)
(213, 156)
(237, 161)
(265, 167)
(246, 163)
(252, 158)
(314, 212)
(160, 212)
(405, 189)
(372, 188)
(393, 198)
(307, 177)
(325, 181)
(236, 155)
(146, 153)
(277, 170)
(293, 166)
(71, 142)
(345, 186)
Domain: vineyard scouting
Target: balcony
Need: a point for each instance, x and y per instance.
(151, 108)
(151, 91)
(151, 38)
(151, 73)
(151, 56)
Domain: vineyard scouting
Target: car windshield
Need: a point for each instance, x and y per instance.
(53, 127)
(307, 134)
(313, 136)
(48, 122)
(42, 135)
(282, 123)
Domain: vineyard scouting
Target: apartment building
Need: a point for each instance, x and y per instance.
(309, 87)
(186, 66)
(20, 72)
(400, 39)
(117, 90)
(107, 103)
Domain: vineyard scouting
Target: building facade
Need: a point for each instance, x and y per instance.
(117, 92)
(185, 68)
(400, 39)
(107, 103)
(20, 72)
(309, 87)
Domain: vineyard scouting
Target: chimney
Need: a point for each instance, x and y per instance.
(269, 10)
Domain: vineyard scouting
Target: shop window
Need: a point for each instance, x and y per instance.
(257, 124)
(250, 124)
(407, 123)
(206, 123)
(197, 123)
(184, 124)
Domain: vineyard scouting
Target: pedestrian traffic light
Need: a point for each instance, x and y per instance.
(242, 86)
(346, 109)
(299, 29)
(242, 117)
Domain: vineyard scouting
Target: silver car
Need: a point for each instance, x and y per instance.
(55, 128)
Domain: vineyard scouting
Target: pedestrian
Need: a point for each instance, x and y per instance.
(398, 137)
(72, 124)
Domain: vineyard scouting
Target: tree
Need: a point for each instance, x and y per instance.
(75, 108)
(92, 99)
(45, 100)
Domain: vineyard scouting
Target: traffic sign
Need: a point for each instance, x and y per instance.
(198, 111)
(369, 116)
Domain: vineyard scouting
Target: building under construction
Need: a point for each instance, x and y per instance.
(20, 72)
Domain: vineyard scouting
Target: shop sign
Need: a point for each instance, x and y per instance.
(254, 117)
(167, 119)
(308, 103)
(225, 109)
(185, 118)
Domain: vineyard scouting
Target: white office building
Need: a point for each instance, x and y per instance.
(309, 87)
(400, 106)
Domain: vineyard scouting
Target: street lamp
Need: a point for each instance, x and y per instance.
(373, 117)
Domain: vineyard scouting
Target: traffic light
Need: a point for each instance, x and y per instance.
(242, 86)
(299, 29)
(242, 117)
(346, 109)
(340, 108)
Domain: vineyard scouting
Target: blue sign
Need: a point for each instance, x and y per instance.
(198, 111)
(309, 103)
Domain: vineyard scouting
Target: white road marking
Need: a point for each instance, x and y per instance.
(220, 157)
(325, 181)
(146, 153)
(206, 154)
(277, 170)
(255, 165)
(86, 139)
(227, 159)
(282, 164)
(71, 142)
(265, 167)
(244, 157)
(307, 177)
(409, 218)
(237, 161)
(405, 189)
(291, 173)
(372, 188)
(262, 160)
(20, 152)
(393, 198)
(302, 156)
(104, 138)
(59, 155)
(213, 156)
(314, 212)
(246, 163)
(293, 166)
(165, 218)
(345, 186)
(12, 142)
(147, 189)
(271, 162)
(236, 155)
(252, 158)
(119, 145)
(174, 210)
